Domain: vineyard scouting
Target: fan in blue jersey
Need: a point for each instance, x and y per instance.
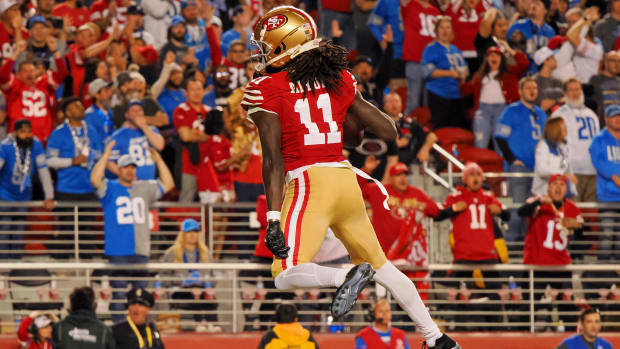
(99, 114)
(518, 130)
(534, 29)
(135, 138)
(72, 149)
(126, 202)
(20, 154)
(444, 66)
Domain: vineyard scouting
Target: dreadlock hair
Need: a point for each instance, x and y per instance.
(323, 65)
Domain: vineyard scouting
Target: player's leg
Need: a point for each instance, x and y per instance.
(306, 214)
(354, 229)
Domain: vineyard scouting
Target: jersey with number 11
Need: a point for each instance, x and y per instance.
(311, 125)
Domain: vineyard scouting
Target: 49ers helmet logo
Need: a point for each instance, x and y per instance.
(275, 22)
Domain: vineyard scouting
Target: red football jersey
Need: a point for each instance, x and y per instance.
(35, 103)
(6, 41)
(186, 115)
(545, 244)
(253, 172)
(237, 74)
(311, 126)
(411, 243)
(78, 15)
(466, 25)
(386, 223)
(419, 24)
(472, 229)
(101, 9)
(219, 153)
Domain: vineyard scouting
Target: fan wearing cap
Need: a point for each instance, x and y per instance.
(136, 138)
(546, 243)
(30, 96)
(552, 220)
(126, 202)
(11, 27)
(192, 284)
(168, 89)
(176, 34)
(494, 85)
(20, 154)
(99, 114)
(40, 34)
(472, 209)
(35, 330)
(200, 21)
(534, 28)
(372, 83)
(136, 332)
(403, 199)
(549, 87)
(241, 16)
(89, 44)
(132, 87)
(605, 154)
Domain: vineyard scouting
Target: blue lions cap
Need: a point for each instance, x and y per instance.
(125, 160)
(190, 225)
(186, 3)
(36, 19)
(177, 19)
(612, 110)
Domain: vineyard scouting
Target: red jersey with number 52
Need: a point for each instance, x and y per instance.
(545, 244)
(311, 126)
(473, 228)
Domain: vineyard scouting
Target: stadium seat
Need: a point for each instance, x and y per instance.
(423, 116)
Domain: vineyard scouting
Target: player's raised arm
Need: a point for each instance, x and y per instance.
(269, 131)
(373, 118)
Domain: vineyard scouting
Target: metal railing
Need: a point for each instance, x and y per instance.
(514, 297)
(230, 231)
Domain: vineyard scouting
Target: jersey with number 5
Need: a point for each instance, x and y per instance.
(472, 229)
(545, 243)
(311, 126)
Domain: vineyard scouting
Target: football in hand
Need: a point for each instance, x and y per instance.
(352, 131)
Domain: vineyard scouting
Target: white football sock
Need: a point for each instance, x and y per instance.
(309, 275)
(406, 294)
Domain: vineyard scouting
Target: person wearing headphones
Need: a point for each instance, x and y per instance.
(381, 334)
(35, 330)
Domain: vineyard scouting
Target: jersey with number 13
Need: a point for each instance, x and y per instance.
(311, 126)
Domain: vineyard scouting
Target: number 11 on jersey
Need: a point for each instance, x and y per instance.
(314, 135)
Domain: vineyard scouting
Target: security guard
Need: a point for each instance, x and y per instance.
(136, 333)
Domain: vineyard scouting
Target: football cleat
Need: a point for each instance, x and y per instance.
(281, 34)
(444, 342)
(357, 278)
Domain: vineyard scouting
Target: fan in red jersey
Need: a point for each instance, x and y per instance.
(475, 237)
(29, 96)
(11, 27)
(551, 220)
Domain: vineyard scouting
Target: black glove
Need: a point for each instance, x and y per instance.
(274, 240)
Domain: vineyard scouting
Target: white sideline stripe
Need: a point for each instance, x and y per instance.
(292, 227)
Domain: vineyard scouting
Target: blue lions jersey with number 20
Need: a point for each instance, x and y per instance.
(126, 216)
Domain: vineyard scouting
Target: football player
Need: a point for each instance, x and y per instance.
(300, 105)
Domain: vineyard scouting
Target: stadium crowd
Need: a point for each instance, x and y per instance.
(91, 88)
